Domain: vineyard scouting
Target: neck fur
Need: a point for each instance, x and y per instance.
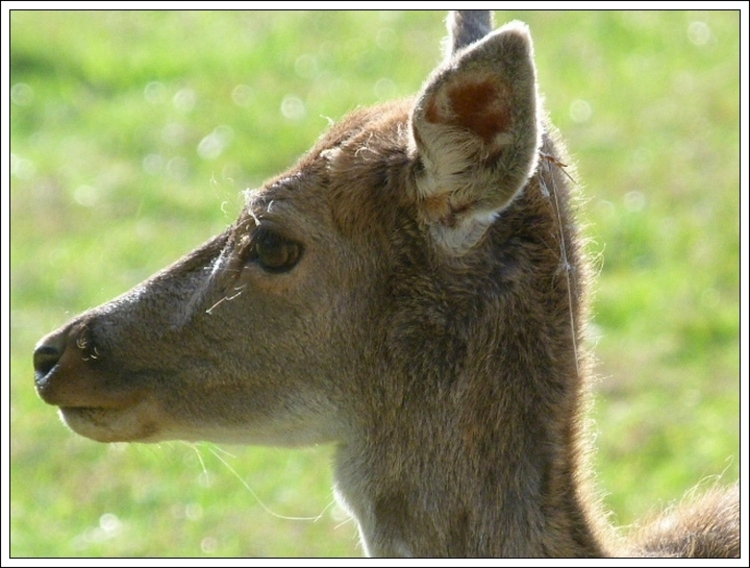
(499, 491)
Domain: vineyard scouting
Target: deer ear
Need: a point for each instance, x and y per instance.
(477, 134)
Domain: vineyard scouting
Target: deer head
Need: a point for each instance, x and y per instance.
(272, 331)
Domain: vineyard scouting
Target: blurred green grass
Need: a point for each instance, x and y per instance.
(132, 135)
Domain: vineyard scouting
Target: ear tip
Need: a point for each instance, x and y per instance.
(520, 27)
(519, 30)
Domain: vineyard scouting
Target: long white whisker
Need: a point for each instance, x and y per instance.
(258, 499)
(566, 266)
(225, 299)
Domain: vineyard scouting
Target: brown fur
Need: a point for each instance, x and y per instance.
(702, 527)
(414, 291)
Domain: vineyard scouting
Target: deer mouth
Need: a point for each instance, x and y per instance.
(129, 423)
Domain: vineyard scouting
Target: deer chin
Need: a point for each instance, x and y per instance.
(136, 423)
(144, 422)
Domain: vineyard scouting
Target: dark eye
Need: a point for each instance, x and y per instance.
(273, 252)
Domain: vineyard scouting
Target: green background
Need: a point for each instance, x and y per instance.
(133, 135)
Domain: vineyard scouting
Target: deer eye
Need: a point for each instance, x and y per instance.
(272, 252)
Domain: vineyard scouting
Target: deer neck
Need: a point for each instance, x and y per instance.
(471, 474)
(476, 448)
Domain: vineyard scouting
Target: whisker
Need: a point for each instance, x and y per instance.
(258, 499)
(240, 289)
(565, 265)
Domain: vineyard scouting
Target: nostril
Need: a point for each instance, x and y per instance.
(48, 353)
(45, 358)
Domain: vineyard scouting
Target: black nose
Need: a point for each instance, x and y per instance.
(47, 354)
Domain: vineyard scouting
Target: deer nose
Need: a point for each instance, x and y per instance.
(47, 354)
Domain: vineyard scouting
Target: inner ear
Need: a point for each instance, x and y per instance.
(479, 105)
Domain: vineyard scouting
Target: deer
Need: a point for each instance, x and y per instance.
(414, 291)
